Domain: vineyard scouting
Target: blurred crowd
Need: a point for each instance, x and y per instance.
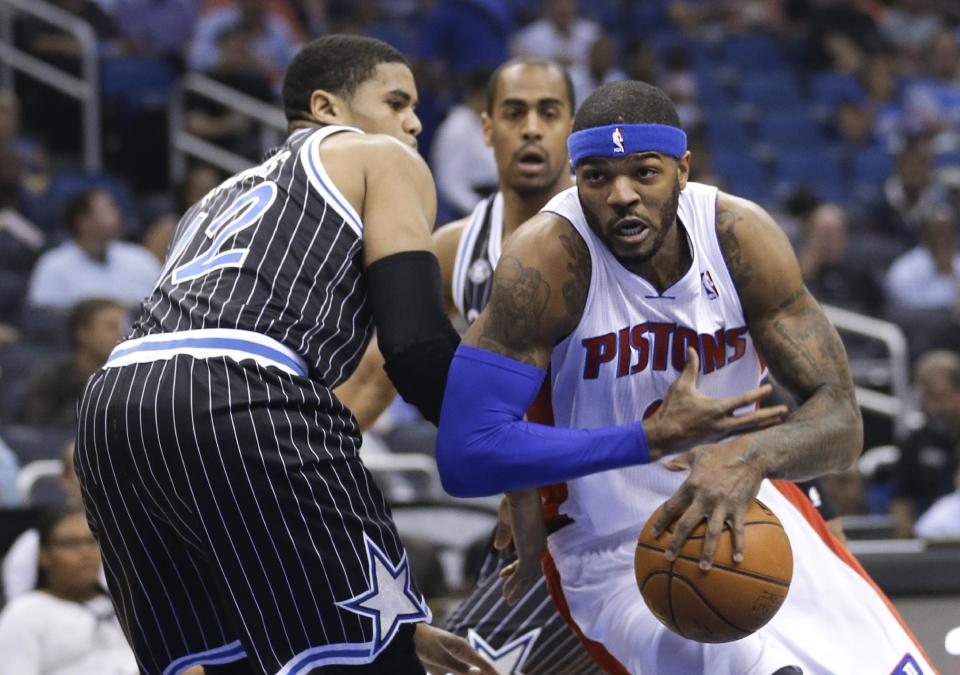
(842, 117)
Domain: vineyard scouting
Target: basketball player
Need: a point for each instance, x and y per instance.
(619, 284)
(238, 526)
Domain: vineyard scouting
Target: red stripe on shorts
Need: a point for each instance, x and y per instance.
(806, 508)
(596, 650)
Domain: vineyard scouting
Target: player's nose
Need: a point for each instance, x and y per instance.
(622, 194)
(531, 126)
(412, 125)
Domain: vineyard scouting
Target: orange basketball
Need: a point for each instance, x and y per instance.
(729, 602)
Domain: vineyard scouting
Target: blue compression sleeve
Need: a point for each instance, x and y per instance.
(484, 446)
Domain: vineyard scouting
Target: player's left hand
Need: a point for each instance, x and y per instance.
(719, 489)
(442, 652)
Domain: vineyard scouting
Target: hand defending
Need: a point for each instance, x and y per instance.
(520, 520)
(442, 653)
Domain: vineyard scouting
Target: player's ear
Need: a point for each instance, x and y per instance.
(683, 169)
(327, 108)
(487, 123)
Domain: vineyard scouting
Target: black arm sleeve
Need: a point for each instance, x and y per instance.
(413, 330)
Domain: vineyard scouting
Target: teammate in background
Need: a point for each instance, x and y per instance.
(617, 285)
(239, 528)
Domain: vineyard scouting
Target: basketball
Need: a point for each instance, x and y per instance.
(730, 601)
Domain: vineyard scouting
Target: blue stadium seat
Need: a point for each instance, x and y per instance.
(16, 363)
(829, 89)
(725, 130)
(751, 52)
(33, 443)
(13, 289)
(947, 159)
(136, 81)
(742, 174)
(787, 128)
(871, 167)
(813, 168)
(769, 89)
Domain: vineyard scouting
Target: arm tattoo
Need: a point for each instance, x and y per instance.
(740, 269)
(517, 303)
(575, 289)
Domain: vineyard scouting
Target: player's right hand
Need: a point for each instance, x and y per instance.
(687, 415)
(444, 653)
(520, 521)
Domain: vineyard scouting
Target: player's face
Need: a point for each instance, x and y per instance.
(631, 202)
(528, 127)
(386, 104)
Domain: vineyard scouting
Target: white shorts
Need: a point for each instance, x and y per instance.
(834, 621)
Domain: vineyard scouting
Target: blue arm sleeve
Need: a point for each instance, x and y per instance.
(484, 446)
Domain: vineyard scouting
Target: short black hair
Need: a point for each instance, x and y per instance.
(334, 63)
(529, 61)
(626, 102)
(84, 313)
(78, 206)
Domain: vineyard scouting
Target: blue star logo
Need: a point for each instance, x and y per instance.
(509, 659)
(391, 600)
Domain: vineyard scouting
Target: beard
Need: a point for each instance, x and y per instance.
(668, 218)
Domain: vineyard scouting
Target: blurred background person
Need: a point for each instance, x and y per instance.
(66, 626)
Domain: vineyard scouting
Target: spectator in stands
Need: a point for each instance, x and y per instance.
(826, 269)
(561, 34)
(942, 519)
(879, 83)
(93, 263)
(929, 456)
(908, 191)
(20, 562)
(933, 104)
(464, 35)
(927, 276)
(66, 625)
(601, 67)
(51, 394)
(839, 34)
(33, 156)
(46, 41)
(20, 237)
(910, 25)
(462, 162)
(269, 37)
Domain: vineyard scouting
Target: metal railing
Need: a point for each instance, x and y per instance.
(85, 88)
(894, 404)
(184, 144)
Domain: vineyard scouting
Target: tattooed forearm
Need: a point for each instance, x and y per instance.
(575, 289)
(805, 354)
(517, 302)
(740, 269)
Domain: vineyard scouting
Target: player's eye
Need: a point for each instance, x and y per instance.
(646, 172)
(513, 114)
(594, 176)
(396, 104)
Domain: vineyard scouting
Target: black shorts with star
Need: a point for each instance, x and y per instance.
(233, 527)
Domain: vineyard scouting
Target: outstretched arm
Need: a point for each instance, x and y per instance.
(539, 291)
(804, 353)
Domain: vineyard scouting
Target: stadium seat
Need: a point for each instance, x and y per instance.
(38, 483)
(33, 443)
(16, 363)
(829, 89)
(813, 168)
(871, 167)
(751, 52)
(770, 89)
(787, 128)
(13, 289)
(136, 81)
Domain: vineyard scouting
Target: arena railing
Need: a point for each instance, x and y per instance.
(895, 404)
(273, 125)
(85, 88)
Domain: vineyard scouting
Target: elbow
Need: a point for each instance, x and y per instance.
(853, 435)
(459, 473)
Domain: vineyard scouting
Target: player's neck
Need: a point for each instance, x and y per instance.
(668, 264)
(519, 208)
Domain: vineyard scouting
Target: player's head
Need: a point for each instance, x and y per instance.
(352, 80)
(631, 162)
(530, 105)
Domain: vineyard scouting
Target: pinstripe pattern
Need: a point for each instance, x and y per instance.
(227, 494)
(556, 648)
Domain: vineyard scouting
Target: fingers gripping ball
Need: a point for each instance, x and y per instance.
(729, 602)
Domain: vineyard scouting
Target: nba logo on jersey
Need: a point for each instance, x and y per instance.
(617, 140)
(908, 666)
(709, 286)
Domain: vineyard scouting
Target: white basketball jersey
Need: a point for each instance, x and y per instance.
(630, 345)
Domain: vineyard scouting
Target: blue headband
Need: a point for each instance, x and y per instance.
(617, 140)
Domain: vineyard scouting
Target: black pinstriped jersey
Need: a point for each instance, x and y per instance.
(275, 250)
(477, 254)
